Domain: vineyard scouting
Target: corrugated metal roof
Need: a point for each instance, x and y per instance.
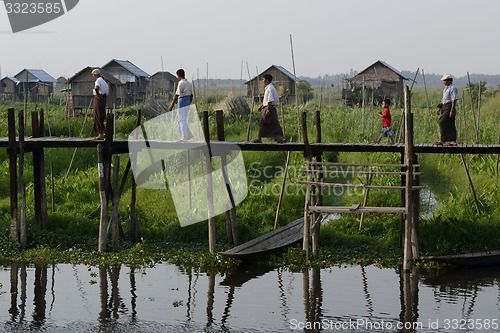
(40, 74)
(287, 73)
(13, 79)
(136, 71)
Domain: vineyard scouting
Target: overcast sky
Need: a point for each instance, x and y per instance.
(329, 36)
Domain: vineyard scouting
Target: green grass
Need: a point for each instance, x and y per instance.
(453, 227)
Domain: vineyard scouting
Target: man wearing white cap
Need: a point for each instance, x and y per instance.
(100, 93)
(447, 127)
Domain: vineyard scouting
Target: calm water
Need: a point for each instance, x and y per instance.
(66, 298)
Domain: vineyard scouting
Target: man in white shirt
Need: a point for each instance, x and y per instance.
(100, 91)
(183, 97)
(447, 127)
(268, 124)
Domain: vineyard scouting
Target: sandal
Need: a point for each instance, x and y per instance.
(439, 143)
(452, 144)
(281, 140)
(257, 141)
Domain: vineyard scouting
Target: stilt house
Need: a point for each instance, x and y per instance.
(134, 81)
(81, 86)
(36, 83)
(283, 81)
(163, 83)
(9, 87)
(378, 81)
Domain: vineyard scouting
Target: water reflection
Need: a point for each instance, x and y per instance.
(66, 298)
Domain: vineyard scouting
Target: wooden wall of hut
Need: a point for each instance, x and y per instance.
(384, 82)
(281, 82)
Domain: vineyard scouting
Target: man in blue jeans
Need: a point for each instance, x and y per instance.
(183, 97)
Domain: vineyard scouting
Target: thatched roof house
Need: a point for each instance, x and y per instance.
(81, 86)
(162, 83)
(380, 81)
(134, 81)
(283, 81)
(36, 82)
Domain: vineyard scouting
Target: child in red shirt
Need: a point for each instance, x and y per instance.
(386, 130)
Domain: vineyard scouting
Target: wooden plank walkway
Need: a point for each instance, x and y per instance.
(122, 146)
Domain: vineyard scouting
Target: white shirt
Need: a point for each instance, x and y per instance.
(271, 95)
(103, 86)
(184, 88)
(450, 93)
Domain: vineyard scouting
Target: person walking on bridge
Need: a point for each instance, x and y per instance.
(100, 92)
(269, 125)
(448, 112)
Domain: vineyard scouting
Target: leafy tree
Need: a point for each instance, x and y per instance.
(304, 91)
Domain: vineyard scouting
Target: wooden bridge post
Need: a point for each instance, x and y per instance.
(116, 201)
(107, 152)
(22, 222)
(231, 222)
(208, 168)
(103, 223)
(134, 224)
(319, 157)
(309, 192)
(416, 194)
(317, 198)
(39, 186)
(410, 248)
(12, 150)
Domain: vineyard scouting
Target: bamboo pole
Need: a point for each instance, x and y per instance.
(373, 111)
(282, 190)
(103, 224)
(232, 231)
(249, 128)
(296, 90)
(427, 99)
(471, 184)
(478, 111)
(52, 187)
(365, 199)
(472, 109)
(363, 111)
(464, 117)
(13, 175)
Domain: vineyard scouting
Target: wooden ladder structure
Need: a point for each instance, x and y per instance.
(316, 171)
(409, 172)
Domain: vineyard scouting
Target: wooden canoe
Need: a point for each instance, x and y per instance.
(270, 242)
(487, 258)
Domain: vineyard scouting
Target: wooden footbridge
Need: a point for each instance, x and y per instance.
(18, 145)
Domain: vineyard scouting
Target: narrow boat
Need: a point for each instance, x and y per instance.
(486, 258)
(267, 243)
